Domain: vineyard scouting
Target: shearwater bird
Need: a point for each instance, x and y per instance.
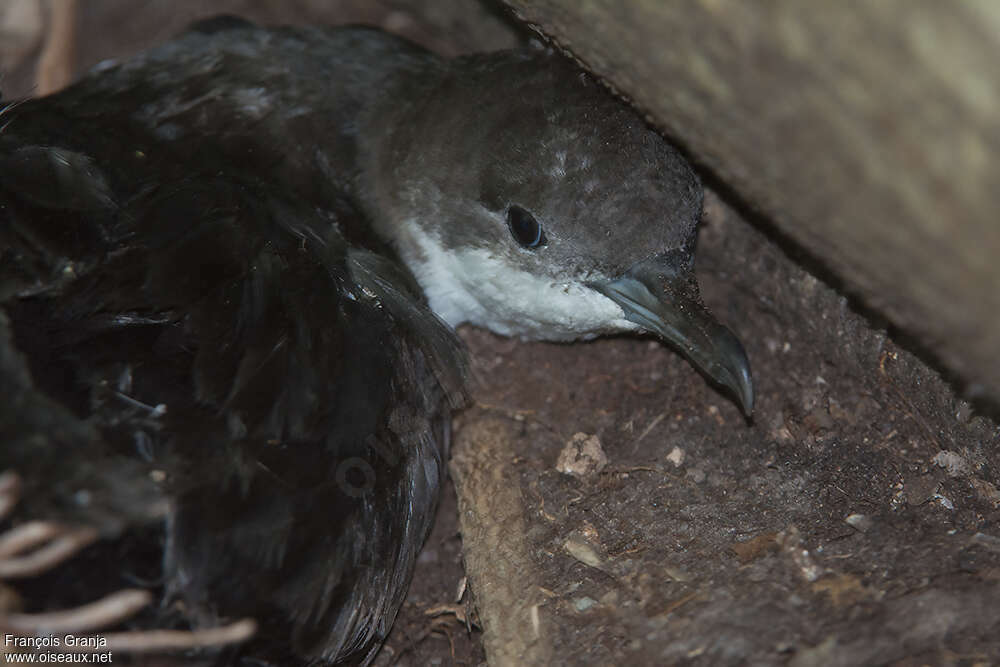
(229, 272)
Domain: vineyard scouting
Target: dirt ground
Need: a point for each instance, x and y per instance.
(855, 519)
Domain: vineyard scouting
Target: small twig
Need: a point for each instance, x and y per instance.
(52, 544)
(29, 535)
(457, 610)
(441, 627)
(63, 547)
(677, 604)
(178, 640)
(109, 610)
(653, 424)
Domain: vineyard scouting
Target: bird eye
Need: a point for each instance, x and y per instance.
(524, 228)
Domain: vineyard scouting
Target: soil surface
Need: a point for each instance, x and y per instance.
(854, 520)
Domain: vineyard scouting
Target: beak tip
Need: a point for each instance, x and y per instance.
(738, 380)
(746, 399)
(732, 368)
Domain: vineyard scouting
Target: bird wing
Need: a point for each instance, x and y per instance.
(187, 332)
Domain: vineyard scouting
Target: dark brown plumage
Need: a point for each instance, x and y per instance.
(214, 332)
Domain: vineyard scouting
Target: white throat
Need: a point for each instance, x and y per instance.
(476, 286)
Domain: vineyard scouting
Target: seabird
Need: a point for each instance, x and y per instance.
(230, 269)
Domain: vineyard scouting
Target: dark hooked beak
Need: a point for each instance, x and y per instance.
(661, 296)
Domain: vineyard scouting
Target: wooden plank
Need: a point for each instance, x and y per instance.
(495, 543)
(868, 133)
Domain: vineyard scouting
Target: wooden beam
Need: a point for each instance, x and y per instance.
(496, 545)
(868, 132)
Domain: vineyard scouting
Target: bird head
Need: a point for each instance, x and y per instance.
(529, 200)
